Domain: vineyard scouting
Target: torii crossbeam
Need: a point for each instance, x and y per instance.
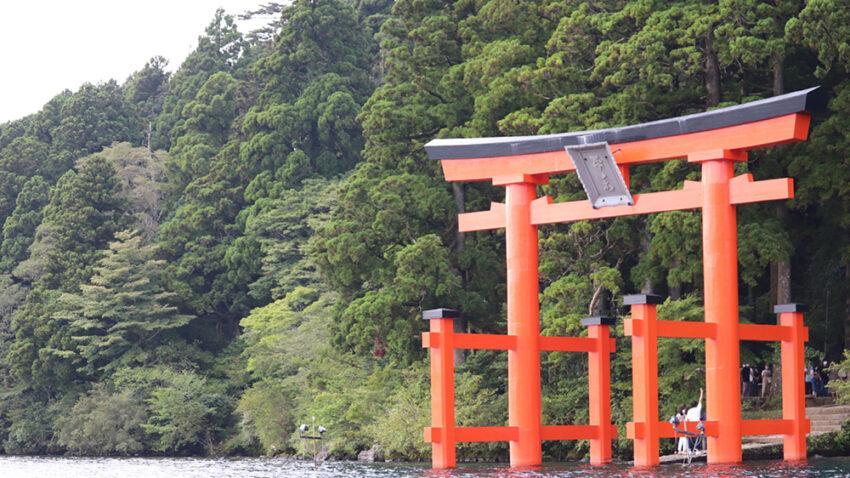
(715, 140)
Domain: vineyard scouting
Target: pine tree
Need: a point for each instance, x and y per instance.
(124, 312)
(19, 228)
(87, 206)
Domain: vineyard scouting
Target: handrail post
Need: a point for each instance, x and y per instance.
(599, 386)
(793, 385)
(442, 431)
(643, 328)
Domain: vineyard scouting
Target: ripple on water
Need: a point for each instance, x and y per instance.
(66, 467)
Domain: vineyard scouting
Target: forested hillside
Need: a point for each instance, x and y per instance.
(196, 262)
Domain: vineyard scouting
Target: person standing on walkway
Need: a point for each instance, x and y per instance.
(683, 446)
(809, 380)
(824, 375)
(765, 381)
(753, 380)
(745, 381)
(695, 412)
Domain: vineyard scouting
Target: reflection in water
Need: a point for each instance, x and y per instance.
(61, 467)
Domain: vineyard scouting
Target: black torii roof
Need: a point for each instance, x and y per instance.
(463, 148)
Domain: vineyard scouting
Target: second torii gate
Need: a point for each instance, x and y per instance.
(715, 140)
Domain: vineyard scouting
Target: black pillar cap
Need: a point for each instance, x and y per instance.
(598, 320)
(792, 307)
(641, 299)
(440, 314)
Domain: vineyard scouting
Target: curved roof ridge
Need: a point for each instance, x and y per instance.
(466, 148)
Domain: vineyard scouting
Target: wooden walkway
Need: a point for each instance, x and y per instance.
(752, 451)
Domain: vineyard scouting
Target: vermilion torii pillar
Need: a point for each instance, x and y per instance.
(720, 284)
(524, 402)
(715, 140)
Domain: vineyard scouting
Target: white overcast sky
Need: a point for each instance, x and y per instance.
(50, 45)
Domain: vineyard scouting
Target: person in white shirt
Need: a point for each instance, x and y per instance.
(694, 413)
(683, 445)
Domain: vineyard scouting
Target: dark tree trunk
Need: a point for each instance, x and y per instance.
(712, 70)
(647, 287)
(781, 269)
(847, 309)
(778, 75)
(676, 290)
(460, 324)
(751, 303)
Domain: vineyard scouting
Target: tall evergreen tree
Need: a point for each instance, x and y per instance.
(220, 49)
(124, 311)
(86, 208)
(19, 228)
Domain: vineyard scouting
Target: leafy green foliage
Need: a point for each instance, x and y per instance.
(124, 312)
(19, 228)
(187, 413)
(104, 423)
(85, 210)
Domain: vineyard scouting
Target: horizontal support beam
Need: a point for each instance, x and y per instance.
(473, 434)
(672, 329)
(570, 344)
(486, 434)
(573, 432)
(544, 212)
(496, 434)
(765, 333)
(482, 220)
(686, 330)
(768, 332)
(472, 341)
(508, 342)
(743, 190)
(485, 341)
(769, 427)
(758, 134)
(706, 330)
(635, 431)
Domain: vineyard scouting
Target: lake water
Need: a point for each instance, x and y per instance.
(34, 467)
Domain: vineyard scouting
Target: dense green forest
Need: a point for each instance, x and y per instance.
(196, 262)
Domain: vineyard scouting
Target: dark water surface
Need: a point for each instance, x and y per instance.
(32, 467)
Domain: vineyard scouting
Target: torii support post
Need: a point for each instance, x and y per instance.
(599, 387)
(793, 386)
(643, 328)
(442, 431)
(720, 279)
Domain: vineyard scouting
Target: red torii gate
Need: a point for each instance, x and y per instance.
(715, 140)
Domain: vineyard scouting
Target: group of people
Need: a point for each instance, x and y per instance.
(818, 377)
(756, 381)
(686, 444)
